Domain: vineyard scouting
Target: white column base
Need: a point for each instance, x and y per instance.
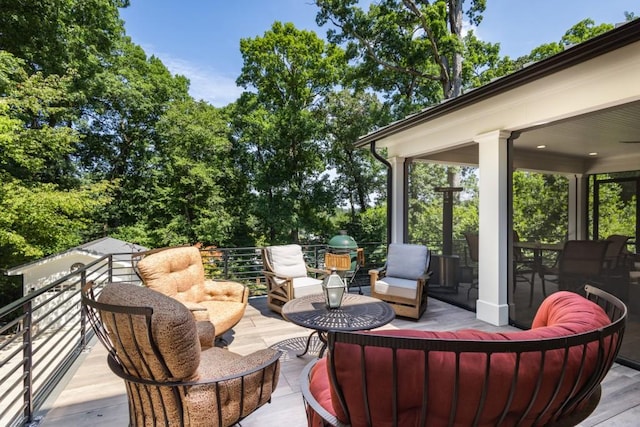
(497, 315)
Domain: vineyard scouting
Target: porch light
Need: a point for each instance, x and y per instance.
(333, 288)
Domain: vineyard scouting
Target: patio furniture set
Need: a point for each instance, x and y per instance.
(162, 341)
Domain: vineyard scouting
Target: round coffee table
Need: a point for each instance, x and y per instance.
(357, 313)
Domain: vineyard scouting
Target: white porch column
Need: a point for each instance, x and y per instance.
(492, 306)
(397, 199)
(577, 204)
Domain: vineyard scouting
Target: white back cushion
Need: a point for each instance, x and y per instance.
(287, 260)
(406, 261)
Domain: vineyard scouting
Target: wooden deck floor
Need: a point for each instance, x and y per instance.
(93, 396)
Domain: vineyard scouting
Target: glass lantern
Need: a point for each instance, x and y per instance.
(334, 289)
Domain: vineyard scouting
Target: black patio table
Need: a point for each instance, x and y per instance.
(357, 313)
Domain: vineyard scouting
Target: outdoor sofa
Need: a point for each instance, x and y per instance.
(548, 375)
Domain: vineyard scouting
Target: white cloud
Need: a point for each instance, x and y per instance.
(213, 87)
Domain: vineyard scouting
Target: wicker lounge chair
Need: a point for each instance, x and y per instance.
(154, 345)
(178, 272)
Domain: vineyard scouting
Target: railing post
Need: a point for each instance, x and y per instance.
(110, 268)
(225, 259)
(83, 316)
(27, 354)
(315, 256)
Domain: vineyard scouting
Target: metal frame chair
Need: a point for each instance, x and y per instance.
(574, 395)
(580, 261)
(152, 371)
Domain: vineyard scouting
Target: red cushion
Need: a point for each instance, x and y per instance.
(561, 314)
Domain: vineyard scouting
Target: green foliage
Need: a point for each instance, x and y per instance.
(53, 36)
(616, 206)
(580, 32)
(44, 208)
(359, 175)
(290, 70)
(192, 167)
(39, 220)
(540, 206)
(426, 204)
(410, 52)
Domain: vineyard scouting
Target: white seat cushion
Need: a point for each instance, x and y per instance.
(306, 286)
(395, 286)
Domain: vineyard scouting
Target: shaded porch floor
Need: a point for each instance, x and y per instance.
(91, 395)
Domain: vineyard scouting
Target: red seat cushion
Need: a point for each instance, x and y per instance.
(561, 314)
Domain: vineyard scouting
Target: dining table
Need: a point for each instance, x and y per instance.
(538, 248)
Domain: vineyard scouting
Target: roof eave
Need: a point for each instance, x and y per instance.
(607, 42)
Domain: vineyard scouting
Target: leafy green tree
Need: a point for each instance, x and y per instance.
(616, 206)
(192, 169)
(540, 206)
(409, 51)
(119, 125)
(358, 174)
(44, 207)
(425, 203)
(580, 32)
(53, 36)
(289, 71)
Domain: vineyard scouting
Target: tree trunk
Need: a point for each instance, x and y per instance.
(455, 25)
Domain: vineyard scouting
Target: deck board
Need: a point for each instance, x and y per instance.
(93, 396)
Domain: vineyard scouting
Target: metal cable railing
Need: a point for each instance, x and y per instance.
(43, 333)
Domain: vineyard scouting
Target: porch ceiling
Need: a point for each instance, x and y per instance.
(613, 133)
(581, 101)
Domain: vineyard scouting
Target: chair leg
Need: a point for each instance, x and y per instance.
(530, 293)
(473, 286)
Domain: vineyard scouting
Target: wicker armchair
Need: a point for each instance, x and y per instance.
(170, 378)
(549, 375)
(178, 272)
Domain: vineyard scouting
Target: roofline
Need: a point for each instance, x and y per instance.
(16, 270)
(604, 43)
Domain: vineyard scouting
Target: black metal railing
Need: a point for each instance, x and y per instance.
(43, 333)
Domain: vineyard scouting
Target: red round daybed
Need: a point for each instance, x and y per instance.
(548, 375)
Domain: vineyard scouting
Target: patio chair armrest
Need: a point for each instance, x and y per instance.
(311, 401)
(254, 362)
(318, 271)
(378, 272)
(223, 290)
(273, 275)
(426, 276)
(199, 312)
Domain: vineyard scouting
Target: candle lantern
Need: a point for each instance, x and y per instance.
(334, 289)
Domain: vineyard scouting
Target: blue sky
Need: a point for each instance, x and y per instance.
(201, 38)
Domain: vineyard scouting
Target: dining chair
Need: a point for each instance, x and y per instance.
(346, 264)
(579, 261)
(472, 248)
(524, 268)
(615, 257)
